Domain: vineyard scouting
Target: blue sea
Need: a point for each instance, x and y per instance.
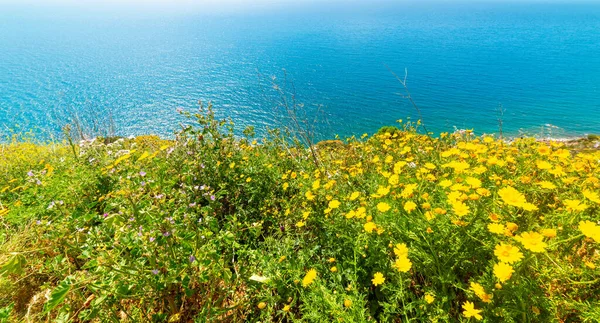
(539, 63)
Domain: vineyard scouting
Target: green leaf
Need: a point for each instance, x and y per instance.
(62, 317)
(59, 294)
(14, 265)
(5, 313)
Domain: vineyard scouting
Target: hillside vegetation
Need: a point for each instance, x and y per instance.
(394, 227)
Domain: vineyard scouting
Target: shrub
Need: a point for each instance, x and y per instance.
(209, 227)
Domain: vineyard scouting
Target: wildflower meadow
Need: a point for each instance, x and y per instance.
(398, 226)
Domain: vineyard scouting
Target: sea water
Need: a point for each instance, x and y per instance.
(520, 68)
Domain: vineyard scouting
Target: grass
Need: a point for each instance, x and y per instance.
(398, 226)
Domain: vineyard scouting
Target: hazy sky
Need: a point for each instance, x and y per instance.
(194, 6)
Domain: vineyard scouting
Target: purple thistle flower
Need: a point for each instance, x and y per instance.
(30, 173)
(142, 173)
(143, 183)
(152, 239)
(155, 271)
(166, 234)
(192, 258)
(212, 197)
(105, 215)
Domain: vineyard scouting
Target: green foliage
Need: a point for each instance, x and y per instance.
(211, 227)
(59, 294)
(5, 313)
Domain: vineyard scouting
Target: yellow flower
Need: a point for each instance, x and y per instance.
(347, 303)
(354, 196)
(300, 224)
(512, 227)
(511, 196)
(547, 185)
(529, 207)
(590, 230)
(446, 183)
(381, 192)
(532, 241)
(473, 182)
(309, 196)
(410, 206)
(361, 212)
(494, 217)
(590, 265)
(503, 271)
(549, 233)
(286, 308)
(334, 204)
(430, 166)
(408, 190)
(592, 196)
(483, 191)
(429, 298)
(400, 250)
(480, 292)
(261, 305)
(542, 164)
(378, 279)
(508, 253)
(369, 227)
(460, 208)
(470, 311)
(383, 207)
(333, 269)
(575, 205)
(316, 184)
(544, 150)
(496, 228)
(309, 277)
(305, 214)
(331, 260)
(403, 264)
